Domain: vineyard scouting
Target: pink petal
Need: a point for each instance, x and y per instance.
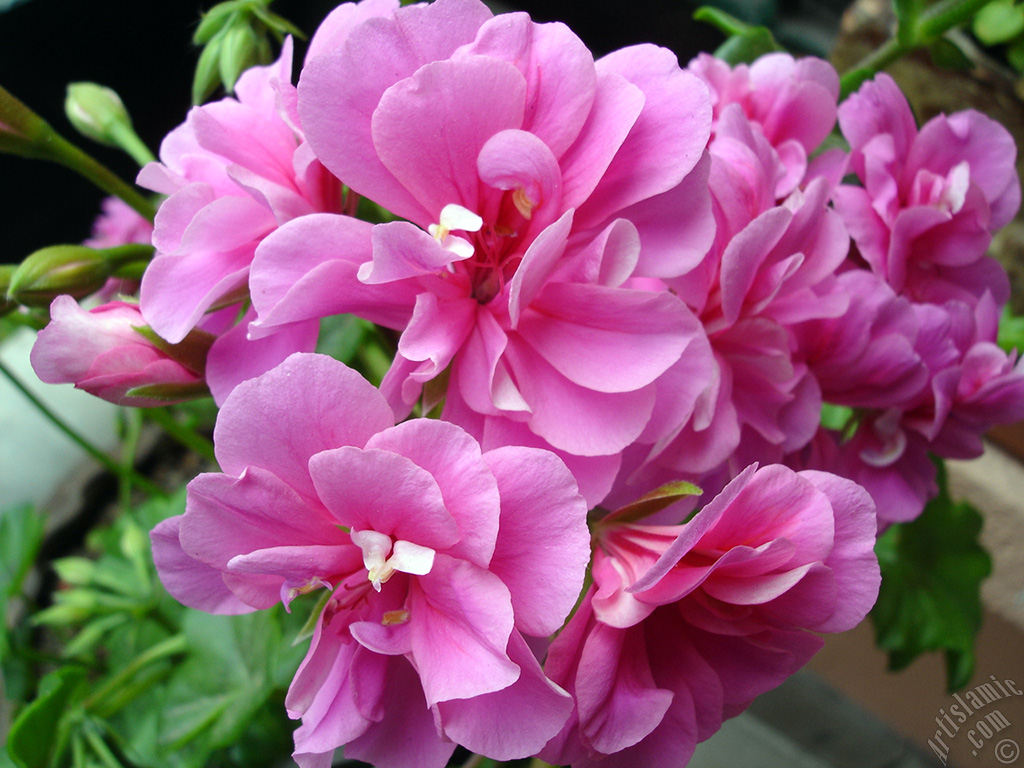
(543, 543)
(430, 128)
(190, 581)
(307, 404)
(376, 490)
(467, 486)
(461, 619)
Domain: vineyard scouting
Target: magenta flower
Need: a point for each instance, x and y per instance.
(791, 101)
(931, 199)
(685, 625)
(118, 224)
(103, 352)
(439, 558)
(234, 171)
(771, 267)
(536, 185)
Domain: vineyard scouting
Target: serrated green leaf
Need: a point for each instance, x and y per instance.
(932, 569)
(748, 46)
(36, 734)
(998, 22)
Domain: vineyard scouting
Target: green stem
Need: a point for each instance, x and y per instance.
(129, 141)
(172, 646)
(141, 481)
(187, 437)
(938, 19)
(100, 749)
(129, 449)
(67, 154)
(933, 22)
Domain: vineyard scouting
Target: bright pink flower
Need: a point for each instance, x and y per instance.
(536, 185)
(791, 101)
(866, 357)
(118, 224)
(685, 625)
(771, 267)
(234, 171)
(103, 352)
(439, 558)
(931, 199)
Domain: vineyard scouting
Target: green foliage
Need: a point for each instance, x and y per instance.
(144, 681)
(39, 732)
(998, 22)
(745, 42)
(932, 569)
(1011, 331)
(235, 35)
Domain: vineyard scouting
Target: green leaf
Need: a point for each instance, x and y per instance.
(1015, 55)
(655, 501)
(21, 534)
(37, 733)
(746, 47)
(1011, 330)
(932, 569)
(999, 22)
(947, 54)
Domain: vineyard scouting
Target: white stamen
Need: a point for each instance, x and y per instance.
(455, 217)
(405, 557)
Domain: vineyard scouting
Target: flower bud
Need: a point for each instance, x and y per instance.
(95, 111)
(22, 131)
(55, 270)
(74, 270)
(107, 351)
(98, 113)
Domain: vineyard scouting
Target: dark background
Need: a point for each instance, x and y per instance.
(142, 49)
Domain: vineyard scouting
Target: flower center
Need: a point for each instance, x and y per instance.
(382, 557)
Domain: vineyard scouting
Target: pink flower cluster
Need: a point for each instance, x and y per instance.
(615, 274)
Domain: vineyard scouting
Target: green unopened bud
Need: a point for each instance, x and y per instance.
(240, 49)
(22, 131)
(69, 269)
(95, 110)
(207, 76)
(98, 113)
(214, 20)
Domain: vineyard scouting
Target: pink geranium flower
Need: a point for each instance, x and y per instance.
(103, 352)
(771, 267)
(439, 558)
(931, 199)
(684, 625)
(234, 171)
(792, 102)
(537, 186)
